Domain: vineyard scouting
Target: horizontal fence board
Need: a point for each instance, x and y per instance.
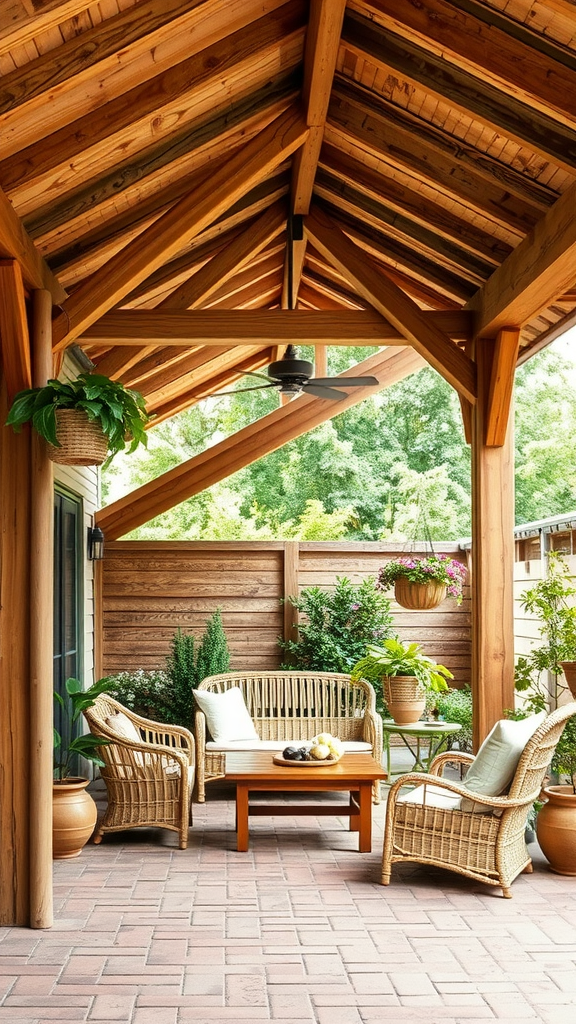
(189, 564)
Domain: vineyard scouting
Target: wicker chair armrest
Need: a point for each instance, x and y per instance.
(183, 754)
(437, 766)
(162, 733)
(424, 778)
(372, 729)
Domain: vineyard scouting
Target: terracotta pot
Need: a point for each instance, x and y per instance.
(405, 697)
(419, 595)
(82, 441)
(556, 828)
(73, 817)
(569, 670)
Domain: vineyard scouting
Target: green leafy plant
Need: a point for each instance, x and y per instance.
(454, 705)
(147, 693)
(440, 568)
(538, 675)
(67, 746)
(337, 626)
(395, 658)
(213, 654)
(564, 759)
(120, 412)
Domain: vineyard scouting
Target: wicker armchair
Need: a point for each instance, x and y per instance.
(488, 847)
(293, 705)
(149, 782)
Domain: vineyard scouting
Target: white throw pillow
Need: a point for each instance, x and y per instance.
(493, 767)
(123, 727)
(226, 715)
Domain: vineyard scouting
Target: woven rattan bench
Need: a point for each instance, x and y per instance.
(287, 706)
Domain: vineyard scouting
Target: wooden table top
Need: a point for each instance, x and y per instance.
(257, 764)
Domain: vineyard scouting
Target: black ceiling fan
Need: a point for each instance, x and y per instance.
(293, 376)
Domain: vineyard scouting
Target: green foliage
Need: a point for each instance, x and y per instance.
(213, 655)
(121, 413)
(440, 568)
(339, 624)
(66, 746)
(538, 675)
(147, 693)
(564, 760)
(181, 668)
(395, 658)
(456, 706)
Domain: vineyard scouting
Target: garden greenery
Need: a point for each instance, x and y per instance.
(440, 568)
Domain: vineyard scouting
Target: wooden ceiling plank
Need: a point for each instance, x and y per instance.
(462, 33)
(201, 381)
(394, 304)
(179, 225)
(18, 30)
(541, 268)
(257, 271)
(501, 387)
(246, 446)
(15, 243)
(267, 327)
(518, 120)
(121, 128)
(169, 372)
(209, 279)
(14, 335)
(117, 362)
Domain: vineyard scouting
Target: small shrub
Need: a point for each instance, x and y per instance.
(213, 655)
(456, 706)
(338, 626)
(146, 693)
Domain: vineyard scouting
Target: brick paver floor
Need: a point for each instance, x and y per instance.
(297, 930)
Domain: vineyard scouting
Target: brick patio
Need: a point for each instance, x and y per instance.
(297, 930)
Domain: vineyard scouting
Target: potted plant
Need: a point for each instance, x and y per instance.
(423, 582)
(539, 674)
(74, 810)
(556, 819)
(82, 420)
(406, 675)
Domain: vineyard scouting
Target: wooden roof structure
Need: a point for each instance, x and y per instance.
(186, 186)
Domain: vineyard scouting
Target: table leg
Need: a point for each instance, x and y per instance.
(365, 801)
(355, 818)
(242, 793)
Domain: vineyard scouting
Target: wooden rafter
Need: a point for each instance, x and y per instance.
(179, 225)
(394, 304)
(14, 336)
(540, 269)
(501, 387)
(238, 327)
(15, 243)
(246, 446)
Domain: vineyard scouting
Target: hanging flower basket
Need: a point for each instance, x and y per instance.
(82, 441)
(419, 595)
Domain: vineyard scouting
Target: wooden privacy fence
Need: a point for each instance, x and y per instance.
(147, 589)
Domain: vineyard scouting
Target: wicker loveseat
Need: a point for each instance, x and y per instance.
(149, 778)
(287, 706)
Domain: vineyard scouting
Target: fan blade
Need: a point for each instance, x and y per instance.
(257, 387)
(345, 382)
(252, 373)
(311, 388)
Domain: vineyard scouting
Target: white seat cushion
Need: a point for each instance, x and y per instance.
(226, 715)
(431, 796)
(493, 768)
(350, 746)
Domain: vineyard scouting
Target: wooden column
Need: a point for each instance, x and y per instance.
(492, 558)
(14, 669)
(290, 589)
(41, 635)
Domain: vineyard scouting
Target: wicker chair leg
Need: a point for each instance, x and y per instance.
(376, 793)
(528, 870)
(97, 837)
(506, 892)
(386, 877)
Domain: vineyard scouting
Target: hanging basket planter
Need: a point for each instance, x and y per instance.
(419, 596)
(82, 441)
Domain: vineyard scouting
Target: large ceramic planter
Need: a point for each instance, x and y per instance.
(419, 596)
(82, 441)
(73, 817)
(569, 670)
(556, 828)
(405, 698)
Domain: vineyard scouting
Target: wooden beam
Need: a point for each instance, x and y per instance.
(179, 225)
(15, 243)
(209, 279)
(24, 22)
(541, 268)
(394, 304)
(122, 327)
(14, 338)
(246, 446)
(501, 387)
(492, 564)
(120, 360)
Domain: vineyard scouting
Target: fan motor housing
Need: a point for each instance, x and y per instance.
(285, 369)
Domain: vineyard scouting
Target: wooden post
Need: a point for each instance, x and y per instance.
(291, 560)
(41, 636)
(492, 561)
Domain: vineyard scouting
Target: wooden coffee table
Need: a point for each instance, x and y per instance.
(255, 771)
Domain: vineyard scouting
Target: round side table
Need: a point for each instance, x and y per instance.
(423, 739)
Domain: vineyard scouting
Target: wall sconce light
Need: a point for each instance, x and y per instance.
(95, 543)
